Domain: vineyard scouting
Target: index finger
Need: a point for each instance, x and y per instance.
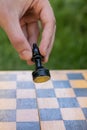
(48, 23)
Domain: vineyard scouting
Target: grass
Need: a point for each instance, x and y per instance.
(70, 46)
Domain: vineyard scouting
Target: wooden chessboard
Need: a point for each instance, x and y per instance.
(59, 104)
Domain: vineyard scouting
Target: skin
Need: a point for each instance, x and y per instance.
(19, 19)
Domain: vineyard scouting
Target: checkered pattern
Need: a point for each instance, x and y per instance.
(59, 104)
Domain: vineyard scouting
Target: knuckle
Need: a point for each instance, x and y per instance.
(17, 42)
(23, 57)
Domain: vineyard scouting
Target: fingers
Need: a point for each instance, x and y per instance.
(50, 46)
(33, 33)
(24, 29)
(22, 38)
(48, 22)
(18, 39)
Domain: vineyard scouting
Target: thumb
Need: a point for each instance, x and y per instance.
(18, 39)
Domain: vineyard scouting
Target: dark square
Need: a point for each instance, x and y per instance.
(80, 92)
(45, 93)
(76, 125)
(85, 112)
(61, 84)
(75, 76)
(27, 126)
(50, 114)
(25, 85)
(26, 103)
(8, 77)
(8, 93)
(68, 102)
(7, 115)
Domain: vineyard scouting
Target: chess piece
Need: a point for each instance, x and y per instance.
(40, 74)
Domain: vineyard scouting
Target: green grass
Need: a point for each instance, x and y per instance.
(70, 46)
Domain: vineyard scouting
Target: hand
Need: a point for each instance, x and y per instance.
(20, 18)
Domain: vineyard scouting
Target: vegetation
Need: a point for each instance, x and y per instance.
(70, 46)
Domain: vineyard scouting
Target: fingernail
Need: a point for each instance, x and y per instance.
(26, 54)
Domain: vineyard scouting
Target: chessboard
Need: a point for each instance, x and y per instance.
(59, 104)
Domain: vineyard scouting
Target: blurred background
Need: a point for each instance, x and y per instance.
(70, 45)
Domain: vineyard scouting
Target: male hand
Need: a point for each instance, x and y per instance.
(19, 19)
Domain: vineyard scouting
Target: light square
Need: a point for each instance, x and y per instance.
(85, 75)
(48, 103)
(72, 114)
(7, 84)
(52, 125)
(82, 101)
(27, 115)
(28, 93)
(46, 85)
(55, 75)
(7, 104)
(78, 83)
(64, 92)
(24, 76)
(7, 125)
